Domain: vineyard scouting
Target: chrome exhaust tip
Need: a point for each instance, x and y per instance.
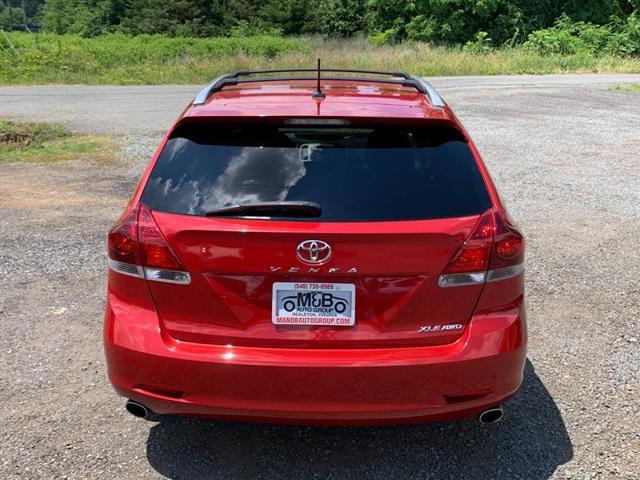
(137, 409)
(491, 415)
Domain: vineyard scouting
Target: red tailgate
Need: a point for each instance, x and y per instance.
(393, 265)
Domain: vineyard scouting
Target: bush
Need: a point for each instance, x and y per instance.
(451, 22)
(569, 37)
(422, 29)
(481, 45)
(627, 39)
(388, 37)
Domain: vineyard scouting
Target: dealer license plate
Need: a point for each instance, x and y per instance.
(328, 304)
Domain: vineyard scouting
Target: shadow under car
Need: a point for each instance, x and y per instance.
(530, 443)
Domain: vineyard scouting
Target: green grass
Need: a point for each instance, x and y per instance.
(45, 142)
(154, 59)
(627, 87)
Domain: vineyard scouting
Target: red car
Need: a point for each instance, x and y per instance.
(319, 248)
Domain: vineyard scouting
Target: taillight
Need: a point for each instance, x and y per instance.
(470, 264)
(493, 251)
(508, 246)
(156, 252)
(474, 254)
(138, 248)
(507, 259)
(123, 240)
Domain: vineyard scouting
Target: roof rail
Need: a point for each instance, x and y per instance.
(244, 73)
(214, 86)
(428, 89)
(400, 78)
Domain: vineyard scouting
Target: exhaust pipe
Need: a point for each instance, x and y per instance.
(491, 415)
(137, 409)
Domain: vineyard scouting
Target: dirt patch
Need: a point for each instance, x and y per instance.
(37, 187)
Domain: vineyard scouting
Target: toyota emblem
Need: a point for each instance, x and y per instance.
(313, 252)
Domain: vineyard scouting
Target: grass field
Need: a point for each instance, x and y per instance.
(122, 60)
(45, 142)
(630, 88)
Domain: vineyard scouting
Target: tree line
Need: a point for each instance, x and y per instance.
(447, 22)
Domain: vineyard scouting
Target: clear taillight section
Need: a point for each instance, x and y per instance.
(138, 248)
(494, 251)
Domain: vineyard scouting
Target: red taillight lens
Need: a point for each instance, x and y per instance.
(474, 254)
(137, 240)
(155, 250)
(508, 247)
(494, 251)
(123, 240)
(477, 254)
(471, 259)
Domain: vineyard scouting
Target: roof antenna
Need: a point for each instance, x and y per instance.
(318, 93)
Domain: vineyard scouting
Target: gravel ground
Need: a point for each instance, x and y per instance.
(565, 155)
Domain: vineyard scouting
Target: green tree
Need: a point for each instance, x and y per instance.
(438, 21)
(459, 21)
(291, 16)
(12, 16)
(83, 17)
(342, 18)
(173, 17)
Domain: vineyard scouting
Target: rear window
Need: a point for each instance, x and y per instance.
(354, 173)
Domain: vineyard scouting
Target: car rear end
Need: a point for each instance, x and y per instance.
(316, 270)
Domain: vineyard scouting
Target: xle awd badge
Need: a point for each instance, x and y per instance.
(439, 328)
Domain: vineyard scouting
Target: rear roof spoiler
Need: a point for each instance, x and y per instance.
(247, 76)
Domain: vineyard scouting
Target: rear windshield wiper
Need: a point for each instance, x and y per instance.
(269, 209)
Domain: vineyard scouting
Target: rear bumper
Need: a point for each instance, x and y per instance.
(367, 386)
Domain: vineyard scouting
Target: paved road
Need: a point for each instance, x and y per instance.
(564, 152)
(151, 109)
